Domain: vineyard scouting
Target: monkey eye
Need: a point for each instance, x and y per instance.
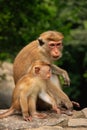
(58, 44)
(52, 45)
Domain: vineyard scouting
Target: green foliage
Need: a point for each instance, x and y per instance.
(5, 57)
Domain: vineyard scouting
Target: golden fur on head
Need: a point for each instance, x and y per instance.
(38, 63)
(52, 35)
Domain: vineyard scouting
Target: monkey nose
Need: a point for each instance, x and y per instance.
(57, 53)
(48, 76)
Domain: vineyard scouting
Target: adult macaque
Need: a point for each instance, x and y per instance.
(48, 47)
(28, 88)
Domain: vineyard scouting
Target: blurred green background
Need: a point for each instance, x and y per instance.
(22, 21)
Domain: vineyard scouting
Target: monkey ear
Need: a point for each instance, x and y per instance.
(41, 43)
(37, 69)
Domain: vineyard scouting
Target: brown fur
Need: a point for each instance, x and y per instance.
(28, 88)
(40, 50)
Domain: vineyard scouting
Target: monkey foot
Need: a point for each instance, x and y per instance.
(76, 104)
(39, 115)
(67, 112)
(27, 118)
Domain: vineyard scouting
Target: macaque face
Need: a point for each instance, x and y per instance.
(55, 49)
(44, 72)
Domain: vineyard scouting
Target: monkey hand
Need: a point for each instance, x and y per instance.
(67, 112)
(66, 104)
(56, 109)
(58, 71)
(66, 78)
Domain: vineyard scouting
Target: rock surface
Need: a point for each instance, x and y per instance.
(6, 84)
(78, 121)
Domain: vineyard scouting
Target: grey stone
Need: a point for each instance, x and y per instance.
(77, 122)
(85, 112)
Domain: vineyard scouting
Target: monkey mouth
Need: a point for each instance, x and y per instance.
(56, 57)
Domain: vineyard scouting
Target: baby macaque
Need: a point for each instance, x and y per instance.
(31, 86)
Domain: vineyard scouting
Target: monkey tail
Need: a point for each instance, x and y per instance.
(9, 112)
